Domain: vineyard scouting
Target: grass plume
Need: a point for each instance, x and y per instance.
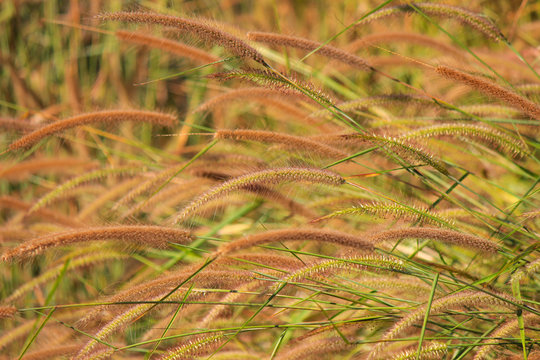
(53, 273)
(403, 147)
(204, 31)
(154, 236)
(460, 300)
(36, 166)
(170, 46)
(394, 211)
(379, 100)
(198, 347)
(431, 351)
(446, 236)
(475, 20)
(107, 116)
(278, 82)
(404, 37)
(76, 181)
(249, 93)
(289, 141)
(491, 89)
(326, 267)
(264, 177)
(7, 312)
(499, 140)
(53, 216)
(310, 45)
(319, 235)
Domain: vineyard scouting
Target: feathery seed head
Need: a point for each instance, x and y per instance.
(394, 211)
(290, 141)
(323, 268)
(7, 312)
(448, 236)
(491, 89)
(496, 138)
(478, 21)
(155, 236)
(204, 31)
(264, 177)
(320, 235)
(278, 82)
(107, 116)
(310, 45)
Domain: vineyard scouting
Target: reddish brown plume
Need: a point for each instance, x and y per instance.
(155, 236)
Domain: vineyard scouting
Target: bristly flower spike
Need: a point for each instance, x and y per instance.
(264, 177)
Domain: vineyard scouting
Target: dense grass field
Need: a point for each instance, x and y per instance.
(270, 179)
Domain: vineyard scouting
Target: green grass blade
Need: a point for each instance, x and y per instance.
(428, 309)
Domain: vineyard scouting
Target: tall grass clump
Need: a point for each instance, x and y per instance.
(269, 180)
